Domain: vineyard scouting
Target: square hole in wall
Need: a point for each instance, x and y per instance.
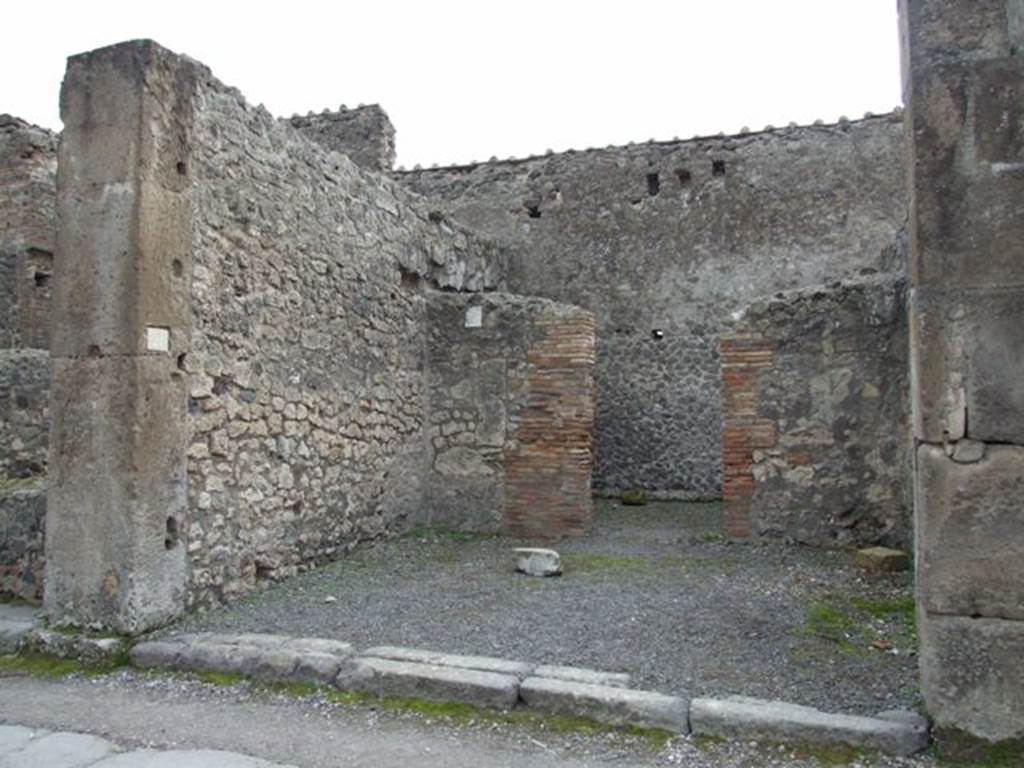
(474, 317)
(158, 338)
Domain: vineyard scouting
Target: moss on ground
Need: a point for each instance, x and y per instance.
(465, 714)
(956, 749)
(226, 679)
(849, 623)
(53, 667)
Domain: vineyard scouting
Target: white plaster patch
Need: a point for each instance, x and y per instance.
(474, 317)
(158, 339)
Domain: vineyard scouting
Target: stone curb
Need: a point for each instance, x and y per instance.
(64, 646)
(482, 681)
(743, 717)
(413, 680)
(607, 704)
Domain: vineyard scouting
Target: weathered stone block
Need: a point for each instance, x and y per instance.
(747, 718)
(970, 533)
(156, 654)
(481, 663)
(606, 704)
(882, 560)
(116, 498)
(967, 357)
(583, 675)
(411, 680)
(971, 674)
(534, 561)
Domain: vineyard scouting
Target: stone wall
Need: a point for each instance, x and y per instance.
(28, 167)
(306, 356)
(510, 415)
(365, 134)
(22, 520)
(24, 413)
(662, 241)
(964, 89)
(815, 416)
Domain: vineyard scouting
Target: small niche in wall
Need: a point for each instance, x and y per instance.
(42, 279)
(158, 338)
(474, 317)
(171, 534)
(657, 334)
(533, 211)
(718, 167)
(684, 176)
(653, 184)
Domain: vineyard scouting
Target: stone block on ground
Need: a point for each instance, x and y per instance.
(156, 654)
(480, 663)
(273, 658)
(633, 497)
(583, 675)
(534, 561)
(412, 680)
(70, 646)
(748, 718)
(13, 633)
(606, 704)
(882, 560)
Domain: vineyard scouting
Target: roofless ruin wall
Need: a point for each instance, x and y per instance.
(239, 367)
(242, 356)
(662, 241)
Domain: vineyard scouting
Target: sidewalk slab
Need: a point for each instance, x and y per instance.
(59, 750)
(606, 704)
(748, 718)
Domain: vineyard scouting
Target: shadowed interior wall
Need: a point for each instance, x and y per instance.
(815, 416)
(662, 242)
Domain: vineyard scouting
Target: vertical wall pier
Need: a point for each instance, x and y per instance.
(964, 89)
(120, 322)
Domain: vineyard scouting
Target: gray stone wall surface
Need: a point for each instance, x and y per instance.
(24, 413)
(836, 395)
(964, 88)
(28, 168)
(365, 134)
(22, 521)
(662, 241)
(306, 359)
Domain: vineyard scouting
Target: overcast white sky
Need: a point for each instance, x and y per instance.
(467, 80)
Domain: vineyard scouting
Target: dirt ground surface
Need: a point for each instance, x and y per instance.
(657, 591)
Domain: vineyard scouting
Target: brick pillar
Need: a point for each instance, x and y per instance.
(116, 499)
(547, 480)
(964, 92)
(743, 356)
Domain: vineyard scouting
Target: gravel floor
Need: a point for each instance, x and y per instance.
(656, 591)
